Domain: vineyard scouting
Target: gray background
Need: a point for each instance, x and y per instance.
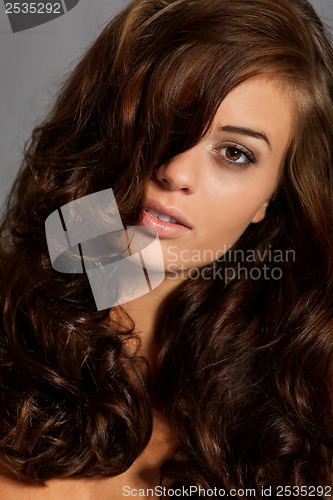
(34, 62)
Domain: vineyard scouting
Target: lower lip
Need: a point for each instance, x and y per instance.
(164, 229)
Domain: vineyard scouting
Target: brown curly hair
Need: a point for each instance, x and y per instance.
(245, 367)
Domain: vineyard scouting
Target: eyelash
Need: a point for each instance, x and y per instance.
(250, 158)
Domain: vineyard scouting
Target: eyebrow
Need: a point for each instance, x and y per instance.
(246, 131)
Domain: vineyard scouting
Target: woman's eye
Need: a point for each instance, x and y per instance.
(235, 156)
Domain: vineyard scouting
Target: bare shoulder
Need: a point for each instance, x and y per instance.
(60, 489)
(14, 489)
(143, 474)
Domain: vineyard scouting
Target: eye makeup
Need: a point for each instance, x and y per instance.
(234, 155)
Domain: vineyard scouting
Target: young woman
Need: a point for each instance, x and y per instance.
(218, 114)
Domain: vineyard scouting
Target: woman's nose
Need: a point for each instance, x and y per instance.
(181, 172)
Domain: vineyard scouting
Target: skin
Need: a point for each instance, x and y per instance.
(220, 199)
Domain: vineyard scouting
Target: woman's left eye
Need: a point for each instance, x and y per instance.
(234, 155)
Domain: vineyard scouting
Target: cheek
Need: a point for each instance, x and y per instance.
(235, 206)
(231, 209)
(223, 214)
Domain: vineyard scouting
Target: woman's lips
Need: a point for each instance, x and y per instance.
(164, 229)
(152, 205)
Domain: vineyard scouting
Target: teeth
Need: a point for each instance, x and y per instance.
(165, 218)
(153, 212)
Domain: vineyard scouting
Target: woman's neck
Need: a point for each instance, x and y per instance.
(144, 311)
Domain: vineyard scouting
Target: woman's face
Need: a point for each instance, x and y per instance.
(225, 182)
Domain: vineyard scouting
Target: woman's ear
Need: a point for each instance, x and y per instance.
(261, 212)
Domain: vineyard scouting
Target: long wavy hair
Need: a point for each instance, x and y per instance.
(245, 365)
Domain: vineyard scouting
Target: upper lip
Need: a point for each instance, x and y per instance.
(172, 212)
